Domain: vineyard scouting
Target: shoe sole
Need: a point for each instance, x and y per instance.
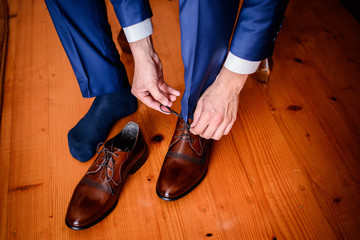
(137, 165)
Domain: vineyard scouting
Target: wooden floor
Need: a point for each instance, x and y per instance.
(290, 169)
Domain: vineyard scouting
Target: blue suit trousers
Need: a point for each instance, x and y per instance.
(208, 29)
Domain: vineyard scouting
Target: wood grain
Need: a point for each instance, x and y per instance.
(289, 169)
(6, 122)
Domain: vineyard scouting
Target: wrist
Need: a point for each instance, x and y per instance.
(142, 48)
(231, 80)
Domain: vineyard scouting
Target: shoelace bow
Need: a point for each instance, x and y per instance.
(104, 166)
(185, 131)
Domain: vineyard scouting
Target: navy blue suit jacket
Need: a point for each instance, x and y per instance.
(130, 12)
(255, 32)
(257, 27)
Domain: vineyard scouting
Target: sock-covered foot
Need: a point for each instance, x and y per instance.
(94, 127)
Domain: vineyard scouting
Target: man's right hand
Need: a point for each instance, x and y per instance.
(148, 83)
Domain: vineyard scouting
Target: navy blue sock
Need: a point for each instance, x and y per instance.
(94, 127)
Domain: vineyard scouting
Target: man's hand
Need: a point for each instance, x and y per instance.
(148, 84)
(217, 107)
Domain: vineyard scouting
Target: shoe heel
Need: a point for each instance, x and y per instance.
(140, 162)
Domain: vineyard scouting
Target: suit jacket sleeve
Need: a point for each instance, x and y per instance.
(256, 29)
(131, 12)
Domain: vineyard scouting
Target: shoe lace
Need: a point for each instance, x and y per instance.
(185, 130)
(104, 167)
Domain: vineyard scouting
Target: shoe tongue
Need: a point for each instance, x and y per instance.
(197, 145)
(186, 146)
(112, 148)
(115, 149)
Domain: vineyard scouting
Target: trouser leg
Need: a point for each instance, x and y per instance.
(85, 34)
(206, 28)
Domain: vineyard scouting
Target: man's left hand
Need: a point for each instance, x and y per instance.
(216, 110)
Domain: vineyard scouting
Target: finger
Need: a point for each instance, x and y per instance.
(149, 101)
(220, 131)
(172, 98)
(201, 125)
(158, 95)
(209, 131)
(197, 114)
(228, 127)
(167, 89)
(215, 122)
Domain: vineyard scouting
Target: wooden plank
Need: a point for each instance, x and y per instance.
(327, 127)
(288, 170)
(6, 122)
(29, 151)
(322, 134)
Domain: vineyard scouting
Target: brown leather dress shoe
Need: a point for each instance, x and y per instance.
(97, 193)
(185, 163)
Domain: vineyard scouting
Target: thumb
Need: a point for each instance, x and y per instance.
(197, 113)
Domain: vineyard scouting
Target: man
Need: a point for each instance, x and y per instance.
(214, 76)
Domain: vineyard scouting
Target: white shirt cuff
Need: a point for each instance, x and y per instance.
(139, 30)
(239, 65)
